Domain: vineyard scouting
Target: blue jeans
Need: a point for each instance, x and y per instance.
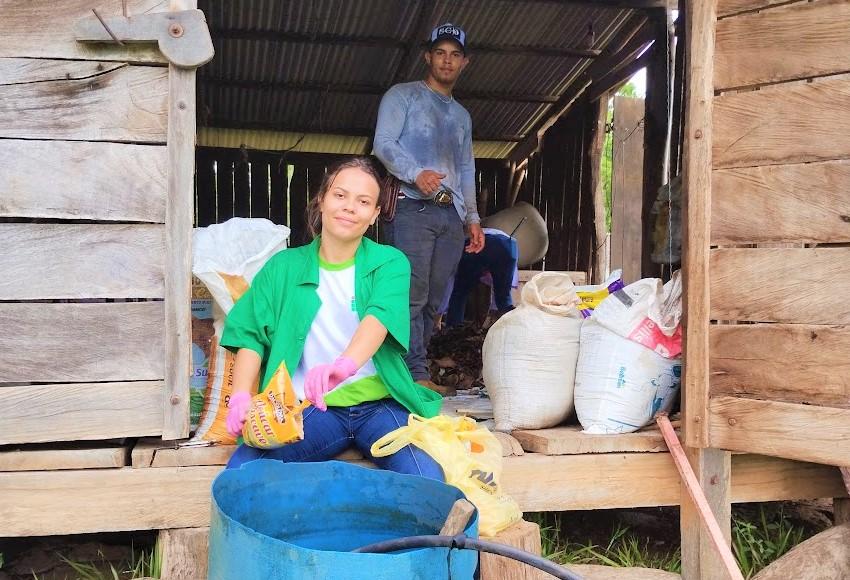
(498, 257)
(329, 433)
(432, 239)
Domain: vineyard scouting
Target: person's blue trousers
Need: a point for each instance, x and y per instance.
(432, 238)
(329, 433)
(498, 257)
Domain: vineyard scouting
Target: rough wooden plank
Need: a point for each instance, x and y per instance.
(701, 559)
(806, 40)
(523, 535)
(100, 181)
(782, 362)
(179, 214)
(788, 430)
(728, 7)
(88, 411)
(700, 22)
(32, 70)
(796, 285)
(789, 123)
(42, 261)
(569, 440)
(184, 553)
(458, 517)
(627, 187)
(85, 501)
(81, 342)
(510, 446)
(191, 456)
(45, 29)
(68, 502)
(125, 104)
(794, 203)
(74, 456)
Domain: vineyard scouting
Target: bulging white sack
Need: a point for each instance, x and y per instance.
(530, 356)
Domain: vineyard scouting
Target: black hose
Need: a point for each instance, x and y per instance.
(461, 542)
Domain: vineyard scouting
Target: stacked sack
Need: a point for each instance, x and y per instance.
(530, 355)
(226, 257)
(629, 365)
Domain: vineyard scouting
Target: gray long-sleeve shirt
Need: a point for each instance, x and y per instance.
(418, 130)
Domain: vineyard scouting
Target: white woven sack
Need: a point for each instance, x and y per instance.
(530, 356)
(620, 384)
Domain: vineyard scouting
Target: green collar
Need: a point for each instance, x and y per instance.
(367, 258)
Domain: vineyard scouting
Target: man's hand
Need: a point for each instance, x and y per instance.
(428, 181)
(476, 239)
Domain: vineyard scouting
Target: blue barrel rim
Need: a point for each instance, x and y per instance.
(223, 475)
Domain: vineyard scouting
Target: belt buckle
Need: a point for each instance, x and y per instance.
(443, 198)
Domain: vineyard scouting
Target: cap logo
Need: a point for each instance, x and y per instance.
(451, 30)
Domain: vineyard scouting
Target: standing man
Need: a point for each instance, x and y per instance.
(424, 138)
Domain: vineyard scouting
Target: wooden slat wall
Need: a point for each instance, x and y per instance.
(84, 222)
(81, 180)
(42, 261)
(754, 48)
(39, 29)
(781, 159)
(559, 184)
(127, 103)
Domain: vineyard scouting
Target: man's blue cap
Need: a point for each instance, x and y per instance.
(448, 31)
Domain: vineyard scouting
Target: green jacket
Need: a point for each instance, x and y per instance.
(274, 316)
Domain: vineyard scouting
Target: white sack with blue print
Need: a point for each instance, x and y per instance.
(629, 365)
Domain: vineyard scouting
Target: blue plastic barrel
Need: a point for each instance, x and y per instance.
(299, 521)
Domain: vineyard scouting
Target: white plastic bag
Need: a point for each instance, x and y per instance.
(226, 257)
(646, 312)
(530, 355)
(238, 248)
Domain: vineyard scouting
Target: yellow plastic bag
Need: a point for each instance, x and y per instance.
(276, 417)
(471, 458)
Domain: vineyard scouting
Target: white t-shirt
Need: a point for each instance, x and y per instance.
(333, 327)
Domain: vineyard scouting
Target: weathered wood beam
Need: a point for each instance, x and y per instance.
(366, 89)
(613, 81)
(396, 44)
(627, 43)
(349, 131)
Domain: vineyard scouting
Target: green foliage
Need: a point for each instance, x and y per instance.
(757, 544)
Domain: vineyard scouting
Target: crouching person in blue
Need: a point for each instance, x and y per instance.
(499, 257)
(336, 311)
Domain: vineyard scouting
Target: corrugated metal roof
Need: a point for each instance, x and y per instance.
(286, 65)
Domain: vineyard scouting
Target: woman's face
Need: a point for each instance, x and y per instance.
(350, 205)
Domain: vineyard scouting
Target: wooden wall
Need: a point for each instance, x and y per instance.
(770, 233)
(560, 186)
(278, 186)
(90, 229)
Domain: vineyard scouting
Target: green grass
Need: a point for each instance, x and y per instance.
(624, 549)
(758, 538)
(757, 544)
(142, 564)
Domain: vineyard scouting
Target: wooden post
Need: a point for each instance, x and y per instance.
(184, 553)
(841, 510)
(712, 466)
(523, 535)
(178, 244)
(656, 130)
(626, 187)
(601, 241)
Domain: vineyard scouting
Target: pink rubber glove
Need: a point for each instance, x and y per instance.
(322, 379)
(237, 411)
